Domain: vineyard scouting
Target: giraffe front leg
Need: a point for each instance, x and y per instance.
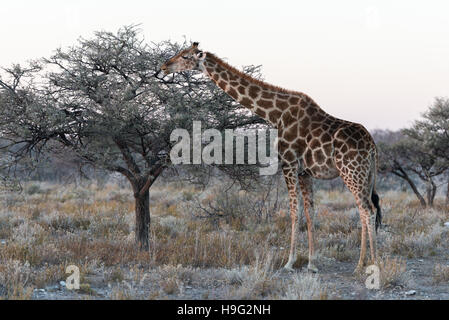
(306, 186)
(290, 175)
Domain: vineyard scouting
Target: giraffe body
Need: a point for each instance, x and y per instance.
(312, 143)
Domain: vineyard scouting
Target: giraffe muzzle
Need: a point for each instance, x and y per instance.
(165, 69)
(162, 71)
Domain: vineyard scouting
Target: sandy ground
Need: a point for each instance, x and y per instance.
(336, 277)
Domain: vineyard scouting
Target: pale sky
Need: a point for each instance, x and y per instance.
(379, 63)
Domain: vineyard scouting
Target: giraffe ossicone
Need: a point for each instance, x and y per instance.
(311, 144)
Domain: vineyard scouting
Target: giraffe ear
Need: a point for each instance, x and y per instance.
(201, 55)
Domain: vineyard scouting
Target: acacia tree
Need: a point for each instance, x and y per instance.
(423, 163)
(433, 132)
(392, 161)
(101, 100)
(404, 156)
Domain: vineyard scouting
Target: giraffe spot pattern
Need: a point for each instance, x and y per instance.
(268, 95)
(233, 93)
(222, 84)
(281, 104)
(290, 134)
(293, 100)
(261, 113)
(274, 116)
(253, 91)
(246, 102)
(287, 119)
(314, 144)
(267, 104)
(319, 156)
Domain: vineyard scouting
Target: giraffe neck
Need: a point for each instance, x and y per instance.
(263, 99)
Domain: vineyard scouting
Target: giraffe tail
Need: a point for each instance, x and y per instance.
(375, 200)
(374, 195)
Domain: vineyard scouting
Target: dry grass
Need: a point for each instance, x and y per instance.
(238, 252)
(440, 274)
(393, 272)
(305, 287)
(15, 278)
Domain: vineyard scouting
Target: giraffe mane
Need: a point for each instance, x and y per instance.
(245, 76)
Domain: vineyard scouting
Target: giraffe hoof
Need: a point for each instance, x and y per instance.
(288, 268)
(358, 270)
(312, 268)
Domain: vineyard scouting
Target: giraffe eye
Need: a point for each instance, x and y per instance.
(185, 58)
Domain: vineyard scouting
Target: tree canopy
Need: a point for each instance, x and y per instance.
(101, 101)
(421, 150)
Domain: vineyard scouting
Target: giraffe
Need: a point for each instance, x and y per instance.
(312, 145)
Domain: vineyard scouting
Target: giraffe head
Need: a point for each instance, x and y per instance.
(191, 58)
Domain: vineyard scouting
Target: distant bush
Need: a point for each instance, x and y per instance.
(34, 188)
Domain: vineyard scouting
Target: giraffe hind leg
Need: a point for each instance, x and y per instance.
(369, 224)
(361, 262)
(361, 186)
(372, 233)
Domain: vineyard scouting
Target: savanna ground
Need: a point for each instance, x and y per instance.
(220, 243)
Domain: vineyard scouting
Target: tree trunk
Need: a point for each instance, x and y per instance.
(141, 187)
(143, 219)
(431, 192)
(405, 176)
(434, 191)
(447, 193)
